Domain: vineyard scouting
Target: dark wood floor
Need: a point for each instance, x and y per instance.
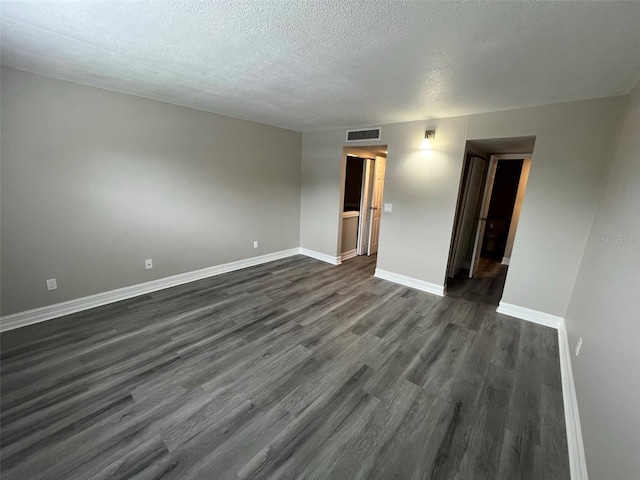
(292, 369)
(485, 287)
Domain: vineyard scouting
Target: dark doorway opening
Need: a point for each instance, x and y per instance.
(492, 188)
(501, 204)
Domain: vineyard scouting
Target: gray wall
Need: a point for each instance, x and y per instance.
(605, 312)
(572, 142)
(94, 182)
(563, 188)
(321, 203)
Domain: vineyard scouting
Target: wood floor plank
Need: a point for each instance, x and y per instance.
(482, 457)
(359, 456)
(290, 369)
(411, 454)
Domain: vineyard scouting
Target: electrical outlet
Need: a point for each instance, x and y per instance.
(578, 346)
(255, 244)
(52, 284)
(148, 263)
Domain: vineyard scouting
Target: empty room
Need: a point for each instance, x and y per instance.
(319, 240)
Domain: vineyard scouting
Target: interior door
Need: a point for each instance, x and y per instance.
(481, 220)
(365, 203)
(471, 194)
(376, 204)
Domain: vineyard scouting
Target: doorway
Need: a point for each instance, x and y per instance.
(492, 188)
(362, 193)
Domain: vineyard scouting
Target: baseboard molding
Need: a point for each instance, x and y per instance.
(349, 254)
(575, 444)
(49, 312)
(505, 260)
(530, 315)
(410, 282)
(320, 256)
(577, 461)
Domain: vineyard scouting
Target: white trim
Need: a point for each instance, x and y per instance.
(37, 315)
(575, 446)
(410, 282)
(505, 260)
(577, 461)
(320, 256)
(365, 203)
(348, 255)
(530, 315)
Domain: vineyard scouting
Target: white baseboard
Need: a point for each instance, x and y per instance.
(577, 461)
(320, 256)
(410, 282)
(530, 315)
(505, 260)
(574, 433)
(21, 319)
(349, 254)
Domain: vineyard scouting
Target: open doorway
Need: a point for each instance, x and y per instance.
(492, 188)
(363, 188)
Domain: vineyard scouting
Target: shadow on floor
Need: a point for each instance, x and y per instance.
(486, 287)
(363, 263)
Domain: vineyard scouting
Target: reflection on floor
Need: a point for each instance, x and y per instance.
(486, 287)
(362, 263)
(291, 369)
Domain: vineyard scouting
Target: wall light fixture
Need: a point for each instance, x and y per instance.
(429, 135)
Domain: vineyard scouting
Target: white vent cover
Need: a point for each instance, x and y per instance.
(364, 134)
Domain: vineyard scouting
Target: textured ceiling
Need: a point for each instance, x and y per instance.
(308, 65)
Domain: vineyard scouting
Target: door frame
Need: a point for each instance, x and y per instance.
(486, 199)
(368, 154)
(457, 222)
(365, 203)
(471, 204)
(377, 190)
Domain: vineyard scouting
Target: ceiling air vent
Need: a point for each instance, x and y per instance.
(368, 134)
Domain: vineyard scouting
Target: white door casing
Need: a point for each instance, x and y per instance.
(365, 202)
(376, 204)
(471, 193)
(481, 220)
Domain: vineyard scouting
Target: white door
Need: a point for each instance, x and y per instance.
(481, 220)
(376, 204)
(365, 202)
(471, 193)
